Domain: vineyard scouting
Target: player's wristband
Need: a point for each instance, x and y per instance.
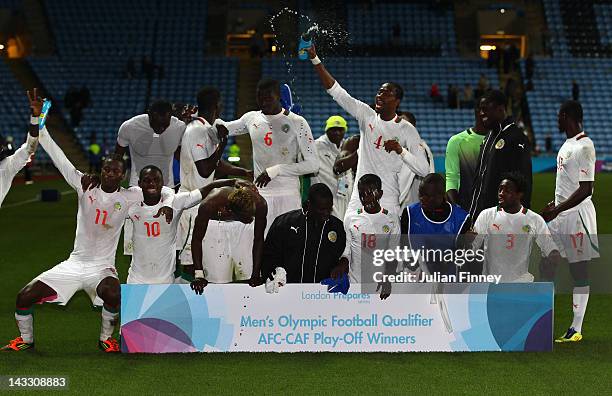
(33, 120)
(315, 61)
(199, 274)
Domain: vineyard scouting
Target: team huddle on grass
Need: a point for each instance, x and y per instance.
(260, 232)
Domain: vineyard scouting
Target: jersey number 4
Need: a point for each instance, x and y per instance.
(378, 142)
(153, 229)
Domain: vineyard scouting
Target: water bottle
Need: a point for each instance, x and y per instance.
(305, 44)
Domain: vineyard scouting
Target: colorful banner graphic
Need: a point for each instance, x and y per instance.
(238, 318)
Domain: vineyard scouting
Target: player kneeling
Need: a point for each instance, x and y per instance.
(218, 261)
(91, 265)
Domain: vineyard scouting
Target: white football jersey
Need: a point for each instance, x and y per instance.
(154, 257)
(199, 142)
(341, 185)
(575, 163)
(12, 164)
(282, 144)
(508, 240)
(365, 233)
(373, 158)
(149, 148)
(100, 215)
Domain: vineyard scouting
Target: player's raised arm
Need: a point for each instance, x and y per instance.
(13, 163)
(199, 231)
(61, 162)
(310, 162)
(354, 107)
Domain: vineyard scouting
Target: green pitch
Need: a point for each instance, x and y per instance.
(36, 236)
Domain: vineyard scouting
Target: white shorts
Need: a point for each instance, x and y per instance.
(340, 205)
(227, 251)
(68, 277)
(128, 237)
(575, 233)
(135, 280)
(183, 237)
(280, 203)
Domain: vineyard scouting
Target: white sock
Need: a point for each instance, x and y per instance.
(109, 320)
(580, 299)
(25, 323)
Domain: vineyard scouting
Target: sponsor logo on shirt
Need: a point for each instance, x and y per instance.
(137, 217)
(371, 127)
(200, 146)
(496, 226)
(91, 199)
(295, 229)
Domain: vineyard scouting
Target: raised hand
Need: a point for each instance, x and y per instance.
(312, 52)
(36, 103)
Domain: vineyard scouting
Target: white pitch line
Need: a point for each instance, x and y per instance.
(29, 201)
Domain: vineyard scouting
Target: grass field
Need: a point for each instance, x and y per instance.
(35, 236)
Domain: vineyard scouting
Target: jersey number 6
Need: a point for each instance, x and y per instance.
(268, 139)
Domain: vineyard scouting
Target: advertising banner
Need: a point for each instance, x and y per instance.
(306, 318)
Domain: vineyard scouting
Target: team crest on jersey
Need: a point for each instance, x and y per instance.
(500, 144)
(332, 236)
(117, 206)
(386, 229)
(285, 128)
(526, 228)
